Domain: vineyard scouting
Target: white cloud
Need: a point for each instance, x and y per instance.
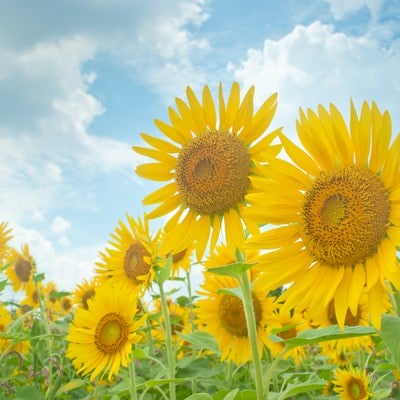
(314, 65)
(341, 8)
(60, 225)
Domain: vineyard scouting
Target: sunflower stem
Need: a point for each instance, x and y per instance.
(252, 331)
(270, 370)
(168, 340)
(132, 380)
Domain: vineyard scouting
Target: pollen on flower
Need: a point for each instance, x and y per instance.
(345, 216)
(212, 173)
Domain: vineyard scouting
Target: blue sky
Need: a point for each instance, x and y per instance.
(79, 80)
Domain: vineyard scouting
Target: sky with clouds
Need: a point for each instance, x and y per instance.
(80, 79)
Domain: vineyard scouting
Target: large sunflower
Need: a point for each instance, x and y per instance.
(21, 267)
(101, 338)
(351, 384)
(129, 259)
(206, 164)
(222, 315)
(338, 211)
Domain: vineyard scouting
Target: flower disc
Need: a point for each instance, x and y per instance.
(213, 173)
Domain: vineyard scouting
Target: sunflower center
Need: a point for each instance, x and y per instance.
(350, 319)
(134, 264)
(345, 216)
(23, 269)
(356, 389)
(232, 316)
(288, 333)
(86, 296)
(212, 173)
(178, 256)
(111, 333)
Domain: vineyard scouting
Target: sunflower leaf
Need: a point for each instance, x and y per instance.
(237, 292)
(313, 383)
(234, 270)
(390, 332)
(333, 332)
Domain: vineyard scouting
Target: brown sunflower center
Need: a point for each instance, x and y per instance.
(350, 319)
(86, 296)
(23, 269)
(134, 263)
(288, 333)
(111, 333)
(356, 389)
(178, 256)
(345, 216)
(232, 317)
(212, 173)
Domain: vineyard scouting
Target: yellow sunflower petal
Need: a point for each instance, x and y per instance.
(232, 105)
(210, 115)
(155, 171)
(197, 110)
(166, 207)
(170, 131)
(159, 144)
(155, 154)
(342, 297)
(161, 194)
(356, 286)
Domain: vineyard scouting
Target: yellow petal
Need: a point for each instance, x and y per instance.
(155, 172)
(187, 116)
(155, 154)
(222, 110)
(197, 110)
(232, 105)
(356, 287)
(210, 115)
(233, 230)
(161, 194)
(160, 144)
(245, 112)
(170, 131)
(342, 297)
(202, 238)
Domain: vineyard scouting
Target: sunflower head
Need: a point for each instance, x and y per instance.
(336, 206)
(83, 292)
(352, 384)
(129, 259)
(5, 236)
(206, 162)
(101, 337)
(21, 267)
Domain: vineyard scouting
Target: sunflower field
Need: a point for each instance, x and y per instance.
(297, 241)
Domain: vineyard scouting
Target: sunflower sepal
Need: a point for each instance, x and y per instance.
(235, 270)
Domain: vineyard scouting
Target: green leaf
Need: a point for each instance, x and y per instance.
(202, 340)
(231, 395)
(237, 292)
(333, 332)
(58, 295)
(38, 277)
(28, 393)
(3, 284)
(313, 383)
(199, 396)
(382, 393)
(158, 382)
(71, 385)
(163, 273)
(234, 270)
(197, 367)
(390, 333)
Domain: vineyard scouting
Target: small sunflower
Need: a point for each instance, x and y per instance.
(206, 164)
(129, 259)
(83, 292)
(5, 236)
(223, 316)
(340, 350)
(338, 213)
(287, 325)
(21, 267)
(101, 338)
(351, 384)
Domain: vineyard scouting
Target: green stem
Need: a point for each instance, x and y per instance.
(132, 380)
(168, 341)
(268, 375)
(252, 332)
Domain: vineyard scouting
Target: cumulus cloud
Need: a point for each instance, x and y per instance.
(60, 225)
(315, 64)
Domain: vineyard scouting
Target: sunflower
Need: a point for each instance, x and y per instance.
(351, 384)
(101, 337)
(180, 322)
(206, 164)
(286, 324)
(339, 351)
(4, 238)
(83, 292)
(129, 259)
(21, 267)
(337, 207)
(222, 315)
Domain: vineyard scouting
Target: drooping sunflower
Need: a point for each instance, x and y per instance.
(21, 267)
(206, 164)
(101, 337)
(83, 292)
(129, 259)
(351, 384)
(222, 315)
(337, 212)
(5, 236)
